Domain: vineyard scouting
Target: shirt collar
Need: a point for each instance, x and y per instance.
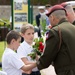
(8, 49)
(26, 44)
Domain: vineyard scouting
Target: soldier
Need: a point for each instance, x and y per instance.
(70, 12)
(60, 44)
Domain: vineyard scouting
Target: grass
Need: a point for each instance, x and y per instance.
(0, 68)
(2, 46)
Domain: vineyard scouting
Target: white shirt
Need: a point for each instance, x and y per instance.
(11, 63)
(23, 51)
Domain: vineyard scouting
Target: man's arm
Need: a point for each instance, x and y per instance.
(50, 52)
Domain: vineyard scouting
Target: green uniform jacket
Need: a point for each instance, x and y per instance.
(63, 58)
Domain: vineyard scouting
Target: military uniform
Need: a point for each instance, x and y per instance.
(64, 58)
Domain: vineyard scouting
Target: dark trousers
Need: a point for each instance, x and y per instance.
(33, 73)
(0, 64)
(39, 32)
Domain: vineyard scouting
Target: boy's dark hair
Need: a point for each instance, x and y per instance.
(12, 35)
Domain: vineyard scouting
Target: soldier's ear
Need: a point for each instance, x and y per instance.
(53, 17)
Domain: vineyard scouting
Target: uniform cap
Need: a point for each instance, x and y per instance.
(54, 8)
(64, 4)
(41, 7)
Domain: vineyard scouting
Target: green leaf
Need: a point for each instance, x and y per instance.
(41, 40)
(38, 52)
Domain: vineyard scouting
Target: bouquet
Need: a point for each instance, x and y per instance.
(38, 47)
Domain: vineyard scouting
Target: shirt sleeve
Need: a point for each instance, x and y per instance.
(21, 52)
(50, 52)
(15, 61)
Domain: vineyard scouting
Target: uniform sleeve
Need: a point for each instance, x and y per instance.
(21, 52)
(50, 52)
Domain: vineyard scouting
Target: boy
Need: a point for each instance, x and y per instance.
(11, 63)
(27, 32)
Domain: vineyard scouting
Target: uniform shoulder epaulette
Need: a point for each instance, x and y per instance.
(47, 35)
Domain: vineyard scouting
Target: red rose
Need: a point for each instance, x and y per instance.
(41, 48)
(40, 43)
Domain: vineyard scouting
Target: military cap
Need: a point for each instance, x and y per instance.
(54, 8)
(64, 4)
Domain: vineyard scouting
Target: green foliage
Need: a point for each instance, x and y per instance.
(7, 24)
(34, 23)
(32, 55)
(41, 40)
(1, 50)
(39, 2)
(35, 2)
(5, 2)
(0, 68)
(43, 24)
(38, 40)
(44, 2)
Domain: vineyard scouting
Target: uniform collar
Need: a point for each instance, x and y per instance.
(8, 49)
(62, 20)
